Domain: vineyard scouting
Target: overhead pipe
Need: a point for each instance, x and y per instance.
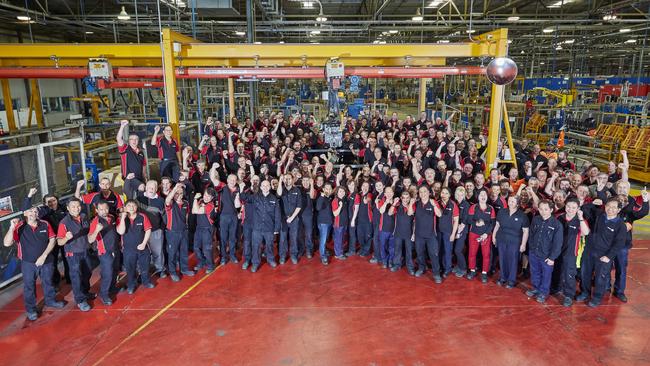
(249, 72)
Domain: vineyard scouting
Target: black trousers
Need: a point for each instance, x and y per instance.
(430, 246)
(592, 266)
(79, 275)
(30, 273)
(228, 235)
(267, 239)
(403, 245)
(364, 235)
(137, 261)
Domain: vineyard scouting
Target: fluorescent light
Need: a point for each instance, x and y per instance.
(548, 30)
(240, 33)
(393, 31)
(558, 48)
(321, 18)
(123, 15)
(609, 17)
(569, 41)
(513, 19)
(382, 42)
(281, 42)
(624, 30)
(315, 42)
(631, 41)
(307, 4)
(375, 41)
(523, 52)
(23, 18)
(560, 3)
(435, 3)
(541, 63)
(258, 42)
(89, 32)
(509, 41)
(315, 32)
(470, 31)
(443, 41)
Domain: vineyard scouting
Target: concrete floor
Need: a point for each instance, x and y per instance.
(349, 313)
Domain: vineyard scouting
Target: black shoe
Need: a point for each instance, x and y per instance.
(294, 260)
(223, 262)
(437, 279)
(621, 297)
(532, 293)
(91, 296)
(273, 264)
(394, 268)
(162, 274)
(325, 261)
(234, 260)
(411, 272)
(174, 277)
(55, 304)
(209, 270)
(130, 290)
(460, 273)
(254, 268)
(582, 297)
(83, 306)
(593, 303)
(501, 283)
(373, 261)
(471, 275)
(541, 299)
(419, 273)
(309, 255)
(188, 273)
(341, 257)
(484, 277)
(567, 301)
(510, 285)
(106, 301)
(245, 265)
(32, 316)
(148, 285)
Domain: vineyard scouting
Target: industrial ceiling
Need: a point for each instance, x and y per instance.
(548, 36)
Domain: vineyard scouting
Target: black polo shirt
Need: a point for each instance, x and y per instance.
(510, 226)
(343, 219)
(135, 231)
(114, 200)
(572, 235)
(364, 216)
(324, 210)
(425, 220)
(476, 214)
(386, 220)
(463, 208)
(176, 216)
(449, 211)
(107, 239)
(167, 149)
(79, 229)
(33, 240)
(227, 201)
(132, 161)
(291, 199)
(403, 223)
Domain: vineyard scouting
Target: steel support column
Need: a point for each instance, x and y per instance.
(169, 79)
(496, 105)
(422, 101)
(9, 107)
(231, 100)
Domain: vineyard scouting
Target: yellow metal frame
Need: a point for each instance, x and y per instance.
(35, 104)
(193, 53)
(9, 107)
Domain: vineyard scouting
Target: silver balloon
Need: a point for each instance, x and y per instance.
(501, 71)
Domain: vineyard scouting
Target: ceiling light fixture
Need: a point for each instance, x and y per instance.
(548, 30)
(89, 32)
(308, 4)
(258, 42)
(435, 4)
(418, 16)
(315, 32)
(23, 18)
(513, 19)
(470, 31)
(631, 41)
(123, 15)
(393, 31)
(569, 41)
(624, 30)
(609, 17)
(443, 41)
(560, 3)
(321, 18)
(240, 33)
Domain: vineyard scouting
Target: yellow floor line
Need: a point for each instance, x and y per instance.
(153, 318)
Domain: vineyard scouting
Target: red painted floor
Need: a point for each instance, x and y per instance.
(349, 313)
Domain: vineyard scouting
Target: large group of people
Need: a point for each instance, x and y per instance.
(418, 196)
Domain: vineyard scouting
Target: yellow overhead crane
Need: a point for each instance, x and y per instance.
(182, 51)
(564, 99)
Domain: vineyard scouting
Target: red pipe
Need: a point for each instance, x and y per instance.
(130, 84)
(222, 73)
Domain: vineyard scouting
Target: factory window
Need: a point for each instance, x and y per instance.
(14, 101)
(57, 104)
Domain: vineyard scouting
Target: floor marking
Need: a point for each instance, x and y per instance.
(153, 318)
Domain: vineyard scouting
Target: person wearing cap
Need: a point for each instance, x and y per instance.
(35, 240)
(73, 235)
